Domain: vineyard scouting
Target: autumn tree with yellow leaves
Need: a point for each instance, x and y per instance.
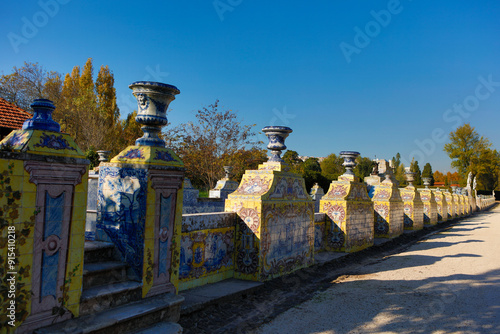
(85, 108)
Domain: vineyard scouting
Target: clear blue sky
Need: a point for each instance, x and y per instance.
(328, 69)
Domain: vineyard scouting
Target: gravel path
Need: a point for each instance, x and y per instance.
(449, 283)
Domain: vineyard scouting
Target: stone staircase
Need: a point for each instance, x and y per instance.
(107, 281)
(111, 300)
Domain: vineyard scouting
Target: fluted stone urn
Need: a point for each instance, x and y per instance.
(427, 182)
(103, 155)
(410, 177)
(276, 136)
(228, 170)
(153, 99)
(349, 161)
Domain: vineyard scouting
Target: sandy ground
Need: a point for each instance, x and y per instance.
(449, 283)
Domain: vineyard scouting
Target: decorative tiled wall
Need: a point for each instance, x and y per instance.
(451, 205)
(458, 205)
(223, 188)
(192, 203)
(319, 232)
(430, 206)
(349, 226)
(413, 208)
(388, 207)
(316, 194)
(140, 212)
(122, 211)
(277, 232)
(43, 195)
(442, 206)
(207, 248)
(91, 218)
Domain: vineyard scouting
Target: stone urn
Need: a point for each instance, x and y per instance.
(103, 155)
(276, 136)
(228, 170)
(153, 99)
(42, 117)
(427, 182)
(349, 161)
(453, 189)
(410, 177)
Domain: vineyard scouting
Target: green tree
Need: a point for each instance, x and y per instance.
(311, 172)
(399, 174)
(85, 109)
(364, 167)
(416, 169)
(396, 161)
(93, 157)
(427, 172)
(488, 169)
(464, 149)
(292, 158)
(331, 167)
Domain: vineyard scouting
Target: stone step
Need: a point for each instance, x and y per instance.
(99, 251)
(102, 273)
(127, 318)
(161, 328)
(99, 298)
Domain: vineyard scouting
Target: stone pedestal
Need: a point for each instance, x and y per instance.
(224, 186)
(430, 206)
(140, 211)
(413, 208)
(371, 182)
(388, 207)
(276, 233)
(472, 203)
(349, 227)
(140, 197)
(44, 187)
(317, 194)
(467, 204)
(452, 205)
(459, 205)
(91, 217)
(442, 206)
(387, 202)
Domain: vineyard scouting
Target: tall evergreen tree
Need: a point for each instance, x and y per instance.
(427, 172)
(416, 169)
(396, 161)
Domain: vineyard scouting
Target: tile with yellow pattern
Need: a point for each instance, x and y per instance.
(151, 155)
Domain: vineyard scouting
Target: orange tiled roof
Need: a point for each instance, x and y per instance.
(11, 116)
